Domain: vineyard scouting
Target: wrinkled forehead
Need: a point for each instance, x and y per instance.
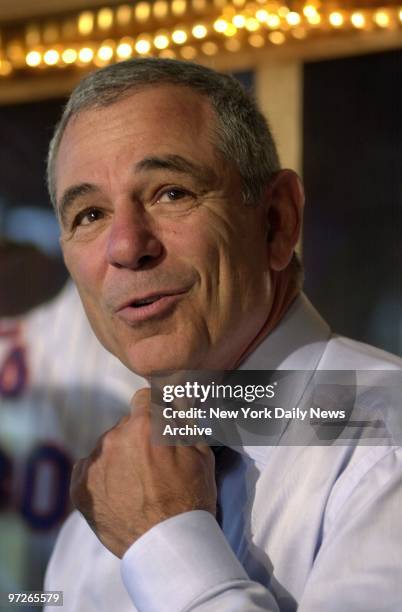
(163, 104)
(166, 119)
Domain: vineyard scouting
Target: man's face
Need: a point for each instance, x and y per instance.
(171, 265)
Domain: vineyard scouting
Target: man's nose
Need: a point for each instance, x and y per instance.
(133, 241)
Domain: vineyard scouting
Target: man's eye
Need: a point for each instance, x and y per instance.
(173, 194)
(86, 217)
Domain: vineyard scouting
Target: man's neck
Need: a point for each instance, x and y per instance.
(284, 291)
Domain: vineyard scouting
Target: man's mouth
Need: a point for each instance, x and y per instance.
(149, 307)
(146, 301)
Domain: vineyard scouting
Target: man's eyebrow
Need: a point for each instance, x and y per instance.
(71, 194)
(202, 174)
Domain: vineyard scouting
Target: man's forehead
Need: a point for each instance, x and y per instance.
(151, 114)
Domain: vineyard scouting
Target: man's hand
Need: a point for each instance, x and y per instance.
(127, 485)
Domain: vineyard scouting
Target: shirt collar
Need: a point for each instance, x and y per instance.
(297, 343)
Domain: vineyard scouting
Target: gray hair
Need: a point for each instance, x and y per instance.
(242, 132)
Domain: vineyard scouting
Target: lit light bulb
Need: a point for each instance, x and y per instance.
(142, 11)
(124, 50)
(105, 53)
(209, 48)
(293, 18)
(168, 54)
(105, 19)
(178, 7)
(256, 40)
(358, 20)
(309, 11)
(124, 14)
(277, 38)
(314, 18)
(336, 19)
(299, 33)
(33, 58)
(85, 55)
(32, 35)
(230, 31)
(198, 5)
(273, 21)
(252, 24)
(86, 22)
(239, 21)
(382, 19)
(142, 46)
(199, 31)
(160, 9)
(161, 41)
(69, 56)
(51, 57)
(220, 25)
(262, 15)
(232, 45)
(188, 52)
(179, 37)
(283, 11)
(5, 68)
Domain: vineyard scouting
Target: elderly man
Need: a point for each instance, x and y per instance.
(179, 227)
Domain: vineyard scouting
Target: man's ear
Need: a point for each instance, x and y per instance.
(284, 200)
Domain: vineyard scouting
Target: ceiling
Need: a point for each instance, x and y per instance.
(11, 10)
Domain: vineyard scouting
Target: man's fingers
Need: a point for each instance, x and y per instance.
(141, 402)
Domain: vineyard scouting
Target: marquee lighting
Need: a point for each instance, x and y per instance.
(33, 58)
(69, 56)
(161, 41)
(358, 20)
(5, 68)
(143, 46)
(51, 57)
(105, 53)
(86, 23)
(239, 21)
(179, 37)
(192, 28)
(143, 11)
(277, 38)
(124, 49)
(381, 18)
(336, 19)
(273, 21)
(124, 14)
(85, 55)
(188, 53)
(199, 31)
(293, 18)
(232, 44)
(252, 24)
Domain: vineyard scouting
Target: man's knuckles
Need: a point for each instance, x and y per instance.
(141, 401)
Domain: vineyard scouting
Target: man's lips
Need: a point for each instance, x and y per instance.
(149, 306)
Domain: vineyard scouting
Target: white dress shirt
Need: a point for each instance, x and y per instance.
(313, 529)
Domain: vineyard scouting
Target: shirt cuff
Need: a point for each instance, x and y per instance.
(177, 561)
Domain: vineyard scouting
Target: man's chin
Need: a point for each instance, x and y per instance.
(149, 362)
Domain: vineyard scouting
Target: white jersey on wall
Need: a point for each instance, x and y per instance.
(59, 390)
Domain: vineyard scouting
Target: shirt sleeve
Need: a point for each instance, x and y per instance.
(185, 564)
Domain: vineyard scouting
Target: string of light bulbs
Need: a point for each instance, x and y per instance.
(189, 28)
